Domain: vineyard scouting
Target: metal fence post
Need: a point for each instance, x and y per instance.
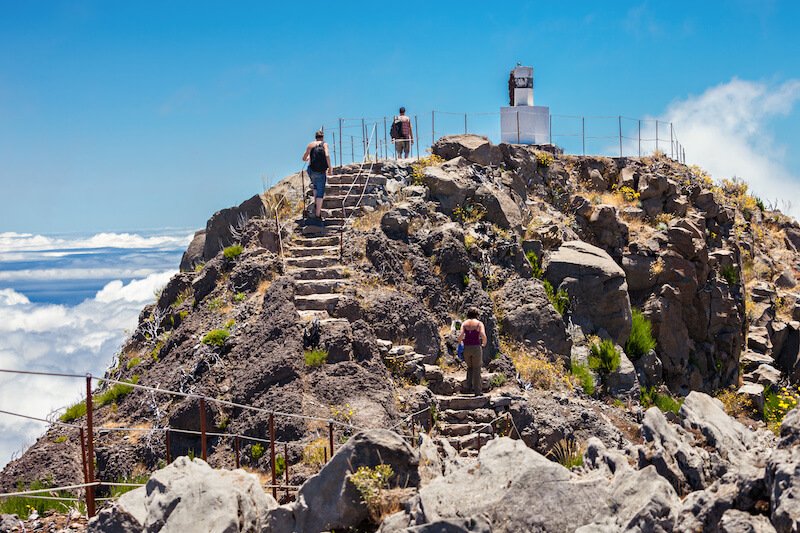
(341, 154)
(620, 135)
(330, 436)
(656, 135)
(352, 150)
(272, 454)
(640, 137)
(203, 447)
(433, 127)
(465, 123)
(583, 135)
(550, 131)
(90, 508)
(416, 136)
(385, 140)
(671, 140)
(334, 148)
(236, 456)
(363, 139)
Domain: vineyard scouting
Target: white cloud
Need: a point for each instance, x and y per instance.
(726, 130)
(71, 339)
(44, 274)
(16, 242)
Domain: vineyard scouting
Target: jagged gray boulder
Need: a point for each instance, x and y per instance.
(189, 495)
(783, 476)
(475, 148)
(734, 521)
(329, 501)
(597, 288)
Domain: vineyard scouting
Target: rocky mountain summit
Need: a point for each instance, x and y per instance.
(640, 374)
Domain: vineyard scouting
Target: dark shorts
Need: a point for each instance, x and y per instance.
(318, 182)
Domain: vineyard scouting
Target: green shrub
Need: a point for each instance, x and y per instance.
(567, 452)
(256, 451)
(73, 412)
(730, 274)
(585, 377)
(558, 298)
(316, 357)
(114, 393)
(132, 362)
(498, 380)
(216, 337)
(23, 506)
(215, 304)
(536, 265)
(280, 465)
(60, 439)
(641, 338)
(604, 357)
(232, 252)
(666, 403)
(777, 405)
(371, 482)
(239, 297)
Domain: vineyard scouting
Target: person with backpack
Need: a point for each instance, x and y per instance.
(319, 167)
(473, 335)
(402, 134)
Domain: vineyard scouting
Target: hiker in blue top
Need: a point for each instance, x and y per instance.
(319, 167)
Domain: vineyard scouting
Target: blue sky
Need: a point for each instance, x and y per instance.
(129, 115)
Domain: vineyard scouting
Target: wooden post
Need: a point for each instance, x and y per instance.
(325, 455)
(203, 449)
(272, 454)
(168, 445)
(236, 455)
(90, 509)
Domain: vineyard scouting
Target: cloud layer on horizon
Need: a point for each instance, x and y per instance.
(727, 130)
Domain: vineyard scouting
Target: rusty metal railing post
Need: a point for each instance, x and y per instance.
(330, 436)
(90, 508)
(433, 128)
(286, 467)
(83, 456)
(385, 140)
(671, 141)
(236, 451)
(364, 139)
(203, 449)
(640, 137)
(341, 154)
(619, 117)
(656, 135)
(168, 446)
(333, 134)
(352, 150)
(465, 123)
(583, 135)
(272, 454)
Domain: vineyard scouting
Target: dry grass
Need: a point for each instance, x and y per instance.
(371, 220)
(536, 368)
(263, 287)
(737, 405)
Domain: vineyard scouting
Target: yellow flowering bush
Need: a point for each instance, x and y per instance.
(778, 404)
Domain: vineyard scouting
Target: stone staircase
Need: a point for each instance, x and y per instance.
(312, 254)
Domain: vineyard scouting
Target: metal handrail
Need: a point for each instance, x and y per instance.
(346, 219)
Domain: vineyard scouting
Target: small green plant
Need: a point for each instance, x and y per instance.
(199, 266)
(216, 337)
(498, 380)
(239, 297)
(156, 350)
(315, 452)
(641, 338)
(256, 451)
(371, 482)
(419, 166)
(760, 204)
(604, 357)
(132, 362)
(23, 506)
(559, 298)
(280, 465)
(465, 280)
(584, 376)
(73, 412)
(215, 304)
(232, 252)
(544, 159)
(469, 212)
(190, 454)
(60, 439)
(567, 452)
(536, 265)
(182, 297)
(777, 404)
(730, 274)
(316, 357)
(229, 324)
(183, 315)
(114, 393)
(649, 397)
(117, 491)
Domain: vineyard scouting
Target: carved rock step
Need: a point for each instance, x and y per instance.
(317, 273)
(318, 286)
(473, 441)
(462, 402)
(355, 197)
(363, 179)
(307, 251)
(308, 316)
(337, 212)
(312, 262)
(460, 430)
(329, 240)
(329, 229)
(478, 416)
(316, 302)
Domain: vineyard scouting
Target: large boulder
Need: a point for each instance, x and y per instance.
(193, 255)
(500, 207)
(783, 476)
(449, 187)
(596, 286)
(527, 316)
(224, 225)
(475, 148)
(328, 500)
(189, 495)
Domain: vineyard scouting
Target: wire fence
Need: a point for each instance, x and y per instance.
(611, 136)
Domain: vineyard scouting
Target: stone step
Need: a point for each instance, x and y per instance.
(308, 316)
(318, 286)
(349, 201)
(329, 240)
(478, 416)
(330, 273)
(316, 302)
(473, 441)
(312, 262)
(338, 213)
(460, 403)
(459, 430)
(327, 230)
(307, 251)
(363, 179)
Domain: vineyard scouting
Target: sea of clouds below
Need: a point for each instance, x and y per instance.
(69, 338)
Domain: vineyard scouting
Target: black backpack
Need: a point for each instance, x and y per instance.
(397, 129)
(317, 160)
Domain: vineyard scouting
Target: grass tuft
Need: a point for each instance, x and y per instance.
(232, 252)
(641, 338)
(316, 357)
